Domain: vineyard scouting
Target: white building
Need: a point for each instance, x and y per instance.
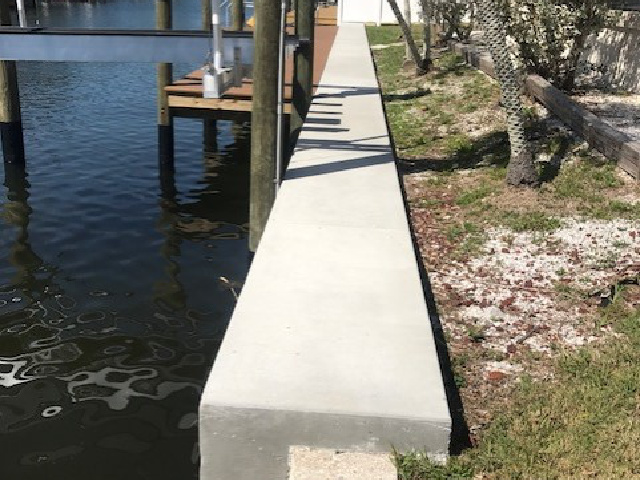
(373, 11)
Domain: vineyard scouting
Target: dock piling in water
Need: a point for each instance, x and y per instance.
(206, 15)
(165, 78)
(237, 15)
(10, 116)
(264, 116)
(303, 65)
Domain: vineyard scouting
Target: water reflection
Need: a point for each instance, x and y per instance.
(112, 303)
(95, 377)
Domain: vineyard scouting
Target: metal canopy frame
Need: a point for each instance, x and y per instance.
(92, 45)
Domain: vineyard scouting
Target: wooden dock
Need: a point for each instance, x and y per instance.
(185, 96)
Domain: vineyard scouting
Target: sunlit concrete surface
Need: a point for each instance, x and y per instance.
(330, 344)
(321, 463)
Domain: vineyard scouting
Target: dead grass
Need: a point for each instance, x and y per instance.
(534, 378)
(583, 423)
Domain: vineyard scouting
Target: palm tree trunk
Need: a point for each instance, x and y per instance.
(406, 31)
(521, 170)
(407, 18)
(427, 9)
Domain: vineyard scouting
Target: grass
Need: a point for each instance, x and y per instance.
(387, 34)
(429, 120)
(414, 119)
(529, 222)
(583, 424)
(474, 195)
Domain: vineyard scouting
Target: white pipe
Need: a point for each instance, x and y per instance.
(21, 13)
(212, 74)
(380, 13)
(216, 35)
(280, 130)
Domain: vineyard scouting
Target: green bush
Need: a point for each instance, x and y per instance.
(551, 35)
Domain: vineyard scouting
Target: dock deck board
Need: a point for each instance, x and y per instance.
(186, 93)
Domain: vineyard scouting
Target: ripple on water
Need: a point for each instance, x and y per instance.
(110, 306)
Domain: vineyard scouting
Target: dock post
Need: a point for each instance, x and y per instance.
(264, 116)
(210, 136)
(10, 117)
(303, 66)
(206, 15)
(237, 15)
(165, 77)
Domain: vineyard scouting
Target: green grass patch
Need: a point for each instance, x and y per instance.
(585, 180)
(387, 34)
(584, 424)
(418, 108)
(529, 221)
(474, 195)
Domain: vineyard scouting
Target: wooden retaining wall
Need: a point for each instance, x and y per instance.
(609, 141)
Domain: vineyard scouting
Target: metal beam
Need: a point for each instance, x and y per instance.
(65, 45)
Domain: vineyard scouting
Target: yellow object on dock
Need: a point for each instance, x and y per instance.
(327, 16)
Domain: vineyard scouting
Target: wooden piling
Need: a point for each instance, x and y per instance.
(210, 136)
(264, 117)
(165, 78)
(206, 15)
(237, 15)
(303, 66)
(11, 132)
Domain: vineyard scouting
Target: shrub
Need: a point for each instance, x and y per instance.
(551, 35)
(459, 16)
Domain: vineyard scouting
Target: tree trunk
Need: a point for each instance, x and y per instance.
(569, 81)
(406, 30)
(407, 18)
(427, 9)
(521, 170)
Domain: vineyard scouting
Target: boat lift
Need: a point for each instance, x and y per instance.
(218, 47)
(224, 52)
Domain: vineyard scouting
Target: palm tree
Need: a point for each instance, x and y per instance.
(406, 31)
(521, 170)
(427, 11)
(407, 19)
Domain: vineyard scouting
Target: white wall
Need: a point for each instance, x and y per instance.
(373, 11)
(615, 49)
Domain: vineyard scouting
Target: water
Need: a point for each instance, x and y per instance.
(114, 292)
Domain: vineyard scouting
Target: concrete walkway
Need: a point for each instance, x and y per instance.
(330, 344)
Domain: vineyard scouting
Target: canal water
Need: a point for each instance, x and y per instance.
(117, 280)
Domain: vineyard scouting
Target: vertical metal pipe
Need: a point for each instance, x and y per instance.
(209, 126)
(279, 149)
(212, 75)
(216, 33)
(22, 17)
(302, 65)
